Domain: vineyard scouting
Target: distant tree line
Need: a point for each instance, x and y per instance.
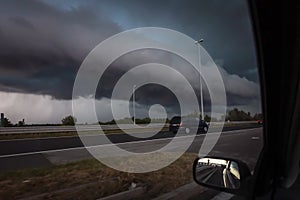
(69, 120)
(6, 123)
(127, 120)
(240, 115)
(232, 115)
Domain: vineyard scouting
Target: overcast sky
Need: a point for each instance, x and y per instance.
(43, 44)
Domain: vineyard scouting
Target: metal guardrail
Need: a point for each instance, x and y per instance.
(234, 122)
(57, 129)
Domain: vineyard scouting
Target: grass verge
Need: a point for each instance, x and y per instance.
(96, 180)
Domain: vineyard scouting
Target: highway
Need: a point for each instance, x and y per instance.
(52, 143)
(243, 144)
(211, 175)
(56, 129)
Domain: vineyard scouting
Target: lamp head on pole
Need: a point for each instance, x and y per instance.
(199, 41)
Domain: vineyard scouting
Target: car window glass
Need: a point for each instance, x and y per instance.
(103, 97)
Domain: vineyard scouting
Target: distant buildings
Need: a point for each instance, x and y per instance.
(2, 120)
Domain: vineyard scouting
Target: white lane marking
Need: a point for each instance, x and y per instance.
(255, 138)
(227, 133)
(223, 196)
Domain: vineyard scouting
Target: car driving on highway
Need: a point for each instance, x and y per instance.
(188, 125)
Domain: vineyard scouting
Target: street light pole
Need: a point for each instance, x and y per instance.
(133, 103)
(199, 62)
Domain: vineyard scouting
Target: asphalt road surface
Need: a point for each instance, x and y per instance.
(17, 146)
(244, 144)
(214, 175)
(55, 129)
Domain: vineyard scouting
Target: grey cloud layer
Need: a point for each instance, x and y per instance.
(225, 26)
(42, 47)
(43, 44)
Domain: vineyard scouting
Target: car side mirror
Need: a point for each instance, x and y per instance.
(228, 175)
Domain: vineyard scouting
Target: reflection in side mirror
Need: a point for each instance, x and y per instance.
(223, 174)
(218, 173)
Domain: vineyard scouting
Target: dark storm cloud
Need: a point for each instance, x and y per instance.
(43, 44)
(225, 26)
(240, 91)
(22, 22)
(42, 47)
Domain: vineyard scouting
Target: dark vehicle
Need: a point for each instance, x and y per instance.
(188, 125)
(175, 123)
